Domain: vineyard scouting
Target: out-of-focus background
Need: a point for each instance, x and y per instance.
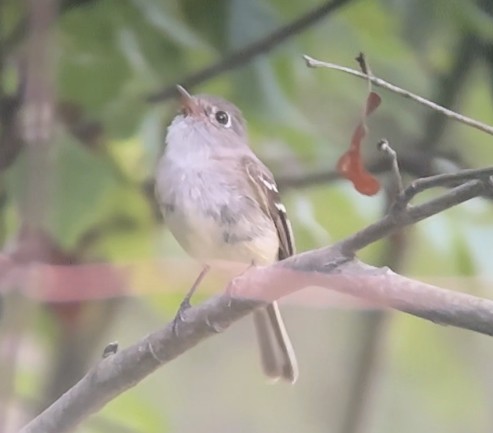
(86, 259)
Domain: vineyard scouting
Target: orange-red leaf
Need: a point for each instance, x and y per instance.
(350, 164)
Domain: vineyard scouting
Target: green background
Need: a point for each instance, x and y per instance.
(360, 370)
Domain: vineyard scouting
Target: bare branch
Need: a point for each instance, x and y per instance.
(330, 267)
(398, 219)
(365, 377)
(244, 55)
(312, 63)
(415, 163)
(384, 146)
(442, 180)
(325, 268)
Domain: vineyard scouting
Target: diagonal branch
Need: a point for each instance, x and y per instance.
(327, 268)
(330, 267)
(244, 55)
(397, 218)
(312, 63)
(444, 179)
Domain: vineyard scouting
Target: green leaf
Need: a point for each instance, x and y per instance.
(134, 241)
(109, 66)
(80, 182)
(91, 70)
(83, 182)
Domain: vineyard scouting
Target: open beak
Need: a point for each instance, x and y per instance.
(188, 102)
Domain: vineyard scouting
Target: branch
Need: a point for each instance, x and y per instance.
(328, 267)
(312, 63)
(415, 163)
(445, 180)
(365, 379)
(398, 219)
(117, 373)
(384, 146)
(244, 55)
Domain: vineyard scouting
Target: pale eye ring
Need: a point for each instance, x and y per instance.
(223, 118)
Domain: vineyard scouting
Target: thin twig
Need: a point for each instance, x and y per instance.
(244, 55)
(365, 67)
(312, 63)
(397, 220)
(441, 180)
(384, 146)
(411, 163)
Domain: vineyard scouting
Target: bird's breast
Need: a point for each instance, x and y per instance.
(212, 219)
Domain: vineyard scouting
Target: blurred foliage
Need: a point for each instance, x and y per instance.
(110, 56)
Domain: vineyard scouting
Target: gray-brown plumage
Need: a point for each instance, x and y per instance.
(221, 203)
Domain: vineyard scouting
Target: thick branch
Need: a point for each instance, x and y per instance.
(326, 267)
(244, 55)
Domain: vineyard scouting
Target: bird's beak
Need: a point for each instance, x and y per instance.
(188, 102)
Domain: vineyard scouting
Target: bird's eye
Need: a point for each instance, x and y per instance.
(223, 118)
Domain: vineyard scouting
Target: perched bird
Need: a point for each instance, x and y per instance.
(221, 203)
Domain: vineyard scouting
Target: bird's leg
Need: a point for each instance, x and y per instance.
(185, 304)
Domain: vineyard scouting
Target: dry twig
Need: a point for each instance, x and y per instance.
(312, 63)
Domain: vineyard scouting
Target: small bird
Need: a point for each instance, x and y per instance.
(221, 202)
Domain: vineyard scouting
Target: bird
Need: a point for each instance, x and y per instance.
(221, 202)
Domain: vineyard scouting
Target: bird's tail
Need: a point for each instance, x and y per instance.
(276, 351)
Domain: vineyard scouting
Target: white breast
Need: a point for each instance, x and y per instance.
(207, 214)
